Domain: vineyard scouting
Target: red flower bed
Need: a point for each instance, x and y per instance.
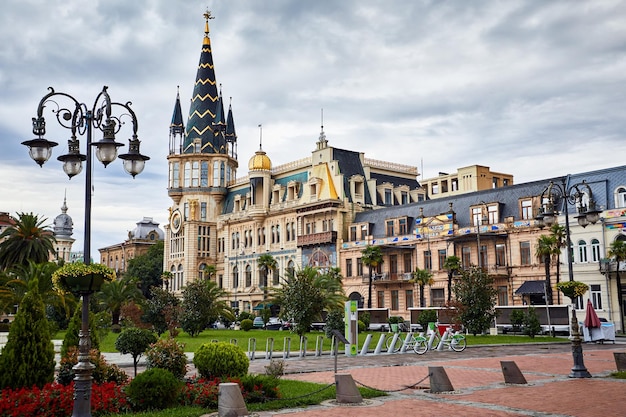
(56, 400)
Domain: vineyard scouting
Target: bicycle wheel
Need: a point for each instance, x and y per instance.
(421, 346)
(458, 343)
(397, 345)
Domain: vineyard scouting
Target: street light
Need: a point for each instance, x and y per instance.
(81, 120)
(587, 213)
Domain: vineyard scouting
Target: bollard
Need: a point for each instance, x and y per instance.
(286, 347)
(512, 374)
(620, 360)
(230, 401)
(269, 348)
(439, 381)
(366, 345)
(346, 390)
(251, 348)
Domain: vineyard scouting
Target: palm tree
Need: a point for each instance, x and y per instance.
(422, 277)
(28, 239)
(115, 294)
(452, 264)
(208, 271)
(371, 257)
(617, 251)
(547, 246)
(266, 264)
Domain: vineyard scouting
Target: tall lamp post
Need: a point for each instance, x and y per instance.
(82, 120)
(554, 194)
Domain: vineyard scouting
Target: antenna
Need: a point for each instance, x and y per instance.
(260, 136)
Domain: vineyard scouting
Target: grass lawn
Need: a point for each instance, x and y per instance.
(107, 344)
(294, 394)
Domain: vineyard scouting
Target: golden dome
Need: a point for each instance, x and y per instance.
(260, 162)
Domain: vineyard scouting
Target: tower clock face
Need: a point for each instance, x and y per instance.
(175, 221)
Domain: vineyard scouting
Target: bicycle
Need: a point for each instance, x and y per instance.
(453, 341)
(415, 343)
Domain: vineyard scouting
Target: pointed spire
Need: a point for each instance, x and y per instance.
(322, 142)
(204, 101)
(231, 136)
(64, 206)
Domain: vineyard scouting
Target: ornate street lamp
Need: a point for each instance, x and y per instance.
(81, 120)
(551, 197)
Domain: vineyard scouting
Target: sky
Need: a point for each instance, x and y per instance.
(530, 88)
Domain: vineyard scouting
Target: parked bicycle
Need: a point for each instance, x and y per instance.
(400, 341)
(452, 340)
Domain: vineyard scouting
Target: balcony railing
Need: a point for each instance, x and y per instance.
(317, 238)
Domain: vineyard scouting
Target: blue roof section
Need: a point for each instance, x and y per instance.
(603, 184)
(229, 200)
(349, 165)
(301, 177)
(508, 197)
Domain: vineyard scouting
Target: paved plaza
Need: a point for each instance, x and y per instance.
(477, 378)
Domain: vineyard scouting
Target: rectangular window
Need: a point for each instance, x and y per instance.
(428, 262)
(389, 228)
(596, 297)
(437, 297)
(402, 226)
(527, 209)
(380, 299)
(483, 256)
(434, 188)
(441, 254)
(364, 232)
(388, 199)
(203, 211)
(503, 298)
(348, 267)
(393, 264)
(405, 197)
(493, 214)
(500, 254)
(186, 211)
(454, 182)
(524, 252)
(359, 267)
(408, 296)
(352, 233)
(477, 216)
(407, 263)
(175, 175)
(395, 301)
(496, 182)
(466, 256)
(444, 186)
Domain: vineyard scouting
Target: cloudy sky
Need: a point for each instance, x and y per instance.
(532, 88)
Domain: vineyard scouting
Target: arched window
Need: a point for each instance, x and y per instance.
(195, 173)
(278, 233)
(228, 174)
(222, 174)
(216, 174)
(180, 277)
(248, 276)
(595, 250)
(235, 277)
(201, 271)
(291, 268)
(172, 280)
(582, 251)
(620, 197)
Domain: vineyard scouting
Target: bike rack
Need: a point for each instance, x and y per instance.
(269, 348)
(366, 345)
(319, 345)
(380, 344)
(303, 344)
(251, 347)
(286, 347)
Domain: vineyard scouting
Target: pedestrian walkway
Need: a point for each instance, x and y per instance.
(477, 379)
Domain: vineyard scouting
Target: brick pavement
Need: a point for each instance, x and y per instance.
(478, 381)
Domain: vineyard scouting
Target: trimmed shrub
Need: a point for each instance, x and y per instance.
(362, 327)
(532, 326)
(102, 373)
(425, 317)
(136, 342)
(365, 318)
(246, 324)
(259, 388)
(244, 315)
(220, 360)
(168, 354)
(154, 389)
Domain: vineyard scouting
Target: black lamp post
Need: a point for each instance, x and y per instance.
(81, 120)
(587, 213)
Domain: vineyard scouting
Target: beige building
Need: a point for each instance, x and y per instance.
(466, 180)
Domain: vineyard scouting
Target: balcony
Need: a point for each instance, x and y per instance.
(608, 266)
(317, 239)
(386, 277)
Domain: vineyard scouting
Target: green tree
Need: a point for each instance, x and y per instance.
(532, 326)
(617, 251)
(547, 246)
(148, 268)
(558, 233)
(28, 239)
(135, 341)
(477, 295)
(267, 264)
(157, 308)
(372, 257)
(203, 303)
(452, 264)
(28, 357)
(305, 294)
(208, 272)
(72, 334)
(115, 294)
(422, 277)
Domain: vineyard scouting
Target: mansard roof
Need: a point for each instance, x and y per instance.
(350, 165)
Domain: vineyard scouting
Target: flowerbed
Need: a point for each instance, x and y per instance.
(56, 400)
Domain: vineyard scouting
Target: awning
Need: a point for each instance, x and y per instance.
(531, 287)
(262, 306)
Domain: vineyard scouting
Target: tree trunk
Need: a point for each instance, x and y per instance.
(548, 286)
(369, 290)
(449, 285)
(422, 296)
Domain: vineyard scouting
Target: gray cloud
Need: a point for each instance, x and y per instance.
(533, 88)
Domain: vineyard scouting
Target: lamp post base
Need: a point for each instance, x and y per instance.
(84, 367)
(578, 370)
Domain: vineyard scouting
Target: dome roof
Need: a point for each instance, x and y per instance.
(147, 229)
(63, 223)
(260, 161)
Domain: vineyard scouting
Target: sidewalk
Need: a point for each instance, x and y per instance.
(477, 379)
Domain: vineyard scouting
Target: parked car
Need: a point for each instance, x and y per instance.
(274, 324)
(258, 323)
